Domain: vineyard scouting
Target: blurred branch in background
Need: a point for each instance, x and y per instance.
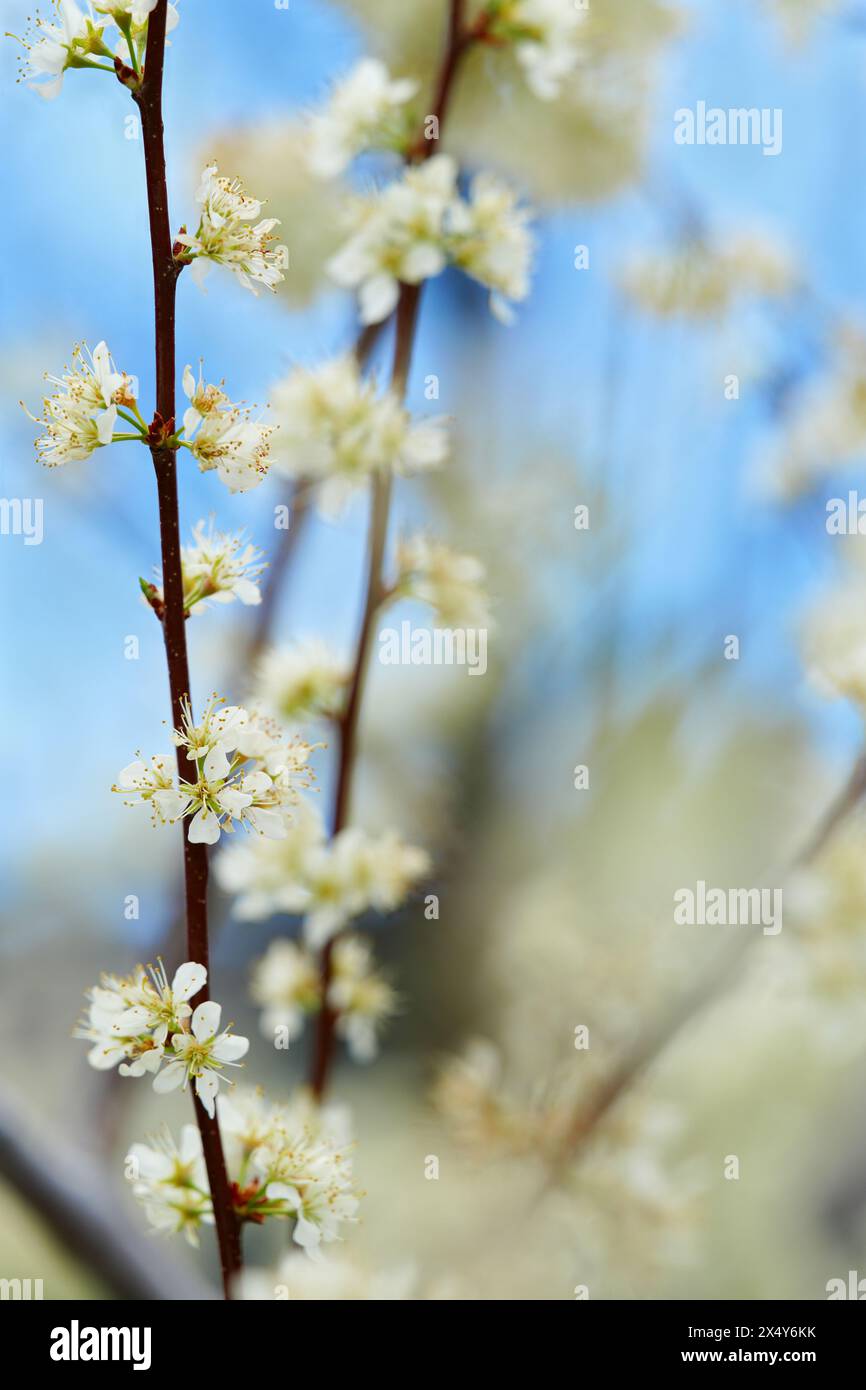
(71, 1195)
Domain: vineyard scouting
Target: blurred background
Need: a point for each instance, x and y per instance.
(707, 508)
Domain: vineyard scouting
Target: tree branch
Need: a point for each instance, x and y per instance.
(165, 275)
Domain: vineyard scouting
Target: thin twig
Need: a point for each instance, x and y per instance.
(457, 41)
(165, 275)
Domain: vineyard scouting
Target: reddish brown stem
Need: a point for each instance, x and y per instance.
(165, 273)
(457, 40)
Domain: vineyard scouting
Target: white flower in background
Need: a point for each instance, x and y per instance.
(834, 641)
(201, 1055)
(329, 880)
(285, 983)
(270, 879)
(246, 776)
(217, 568)
(303, 680)
(335, 429)
(153, 785)
(170, 1181)
(227, 237)
(335, 1279)
(130, 1019)
(490, 240)
(702, 277)
(81, 414)
(824, 426)
(362, 998)
(354, 872)
(453, 584)
(397, 235)
(547, 39)
(366, 110)
(223, 436)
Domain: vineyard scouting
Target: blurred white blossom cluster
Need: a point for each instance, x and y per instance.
(247, 776)
(337, 430)
(286, 984)
(411, 229)
(291, 1162)
(145, 1026)
(702, 277)
(329, 881)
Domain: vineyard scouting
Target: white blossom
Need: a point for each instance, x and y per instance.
(226, 234)
(271, 879)
(129, 1019)
(360, 996)
(703, 276)
(302, 680)
(246, 776)
(366, 110)
(335, 429)
(80, 415)
(170, 1181)
(285, 983)
(217, 568)
(201, 1055)
(223, 436)
(56, 47)
(397, 235)
(547, 39)
(490, 240)
(331, 881)
(451, 583)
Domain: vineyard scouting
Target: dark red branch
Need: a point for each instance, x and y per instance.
(165, 274)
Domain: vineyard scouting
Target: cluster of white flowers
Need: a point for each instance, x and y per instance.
(702, 277)
(80, 415)
(247, 776)
(76, 39)
(224, 436)
(546, 37)
(413, 228)
(217, 568)
(329, 881)
(335, 429)
(286, 984)
(131, 1021)
(302, 680)
(452, 584)
(226, 236)
(288, 1161)
(366, 110)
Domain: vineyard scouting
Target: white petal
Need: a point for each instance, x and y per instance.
(206, 1021)
(170, 1078)
(206, 1087)
(204, 828)
(188, 980)
(230, 1048)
